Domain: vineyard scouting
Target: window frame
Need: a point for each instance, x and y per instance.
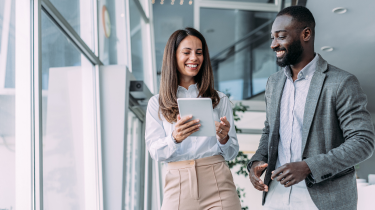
(27, 106)
(246, 6)
(28, 93)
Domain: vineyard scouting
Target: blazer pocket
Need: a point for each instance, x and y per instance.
(343, 173)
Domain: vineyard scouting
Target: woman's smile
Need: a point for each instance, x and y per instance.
(192, 66)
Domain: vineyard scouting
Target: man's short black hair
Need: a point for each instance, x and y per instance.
(300, 14)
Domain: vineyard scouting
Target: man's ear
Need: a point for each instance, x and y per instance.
(307, 34)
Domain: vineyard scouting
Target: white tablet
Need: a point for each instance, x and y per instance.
(200, 108)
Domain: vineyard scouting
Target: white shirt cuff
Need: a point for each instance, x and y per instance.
(171, 143)
(225, 146)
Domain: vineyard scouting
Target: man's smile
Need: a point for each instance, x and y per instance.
(280, 53)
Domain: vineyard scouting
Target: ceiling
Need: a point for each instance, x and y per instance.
(352, 36)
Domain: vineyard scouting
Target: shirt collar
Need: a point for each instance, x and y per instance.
(191, 87)
(192, 90)
(306, 72)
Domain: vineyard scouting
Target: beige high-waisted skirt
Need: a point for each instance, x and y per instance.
(202, 184)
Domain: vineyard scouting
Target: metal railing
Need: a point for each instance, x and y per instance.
(246, 45)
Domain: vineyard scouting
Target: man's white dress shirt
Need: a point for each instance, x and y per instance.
(292, 110)
(159, 133)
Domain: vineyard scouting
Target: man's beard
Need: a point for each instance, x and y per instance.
(292, 55)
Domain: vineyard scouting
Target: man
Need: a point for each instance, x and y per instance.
(317, 126)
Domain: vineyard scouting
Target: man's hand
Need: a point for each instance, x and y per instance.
(256, 171)
(291, 173)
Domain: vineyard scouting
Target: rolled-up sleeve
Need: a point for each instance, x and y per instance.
(160, 144)
(229, 150)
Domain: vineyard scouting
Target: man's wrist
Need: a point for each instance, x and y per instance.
(250, 165)
(254, 164)
(308, 171)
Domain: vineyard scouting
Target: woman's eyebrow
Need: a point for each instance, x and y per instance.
(190, 48)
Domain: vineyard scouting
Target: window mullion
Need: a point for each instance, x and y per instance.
(27, 106)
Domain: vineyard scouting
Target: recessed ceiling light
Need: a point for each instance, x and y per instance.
(339, 10)
(326, 49)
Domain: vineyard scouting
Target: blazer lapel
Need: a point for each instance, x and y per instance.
(277, 93)
(274, 120)
(312, 98)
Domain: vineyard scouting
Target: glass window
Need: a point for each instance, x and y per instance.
(263, 66)
(7, 104)
(7, 25)
(136, 36)
(2, 4)
(287, 3)
(79, 15)
(70, 10)
(112, 32)
(253, 1)
(63, 158)
(239, 48)
(57, 50)
(168, 19)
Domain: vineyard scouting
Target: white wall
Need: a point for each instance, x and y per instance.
(113, 105)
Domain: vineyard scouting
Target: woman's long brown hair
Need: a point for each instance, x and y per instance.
(170, 80)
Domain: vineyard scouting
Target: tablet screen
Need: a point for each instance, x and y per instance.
(200, 108)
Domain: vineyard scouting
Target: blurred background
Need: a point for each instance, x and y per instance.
(76, 76)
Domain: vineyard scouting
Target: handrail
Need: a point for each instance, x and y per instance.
(242, 39)
(242, 48)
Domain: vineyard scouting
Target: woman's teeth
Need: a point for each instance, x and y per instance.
(280, 53)
(191, 66)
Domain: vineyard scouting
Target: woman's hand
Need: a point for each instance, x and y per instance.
(222, 130)
(183, 129)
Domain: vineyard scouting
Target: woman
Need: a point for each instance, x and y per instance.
(197, 176)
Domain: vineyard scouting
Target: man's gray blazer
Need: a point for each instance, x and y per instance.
(337, 134)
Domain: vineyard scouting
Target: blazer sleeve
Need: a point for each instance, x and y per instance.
(358, 131)
(262, 152)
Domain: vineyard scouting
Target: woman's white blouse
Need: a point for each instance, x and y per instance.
(159, 133)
